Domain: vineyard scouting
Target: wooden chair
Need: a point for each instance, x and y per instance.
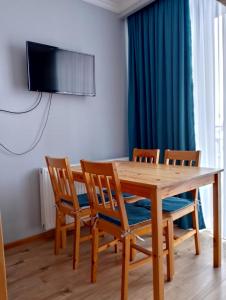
(68, 203)
(122, 221)
(176, 207)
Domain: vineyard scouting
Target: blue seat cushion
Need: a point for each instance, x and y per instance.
(146, 203)
(135, 215)
(125, 195)
(171, 204)
(82, 199)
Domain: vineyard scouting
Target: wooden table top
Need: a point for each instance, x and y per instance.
(158, 176)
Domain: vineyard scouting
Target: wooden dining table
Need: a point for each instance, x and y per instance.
(157, 182)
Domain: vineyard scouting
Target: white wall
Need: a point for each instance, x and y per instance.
(80, 127)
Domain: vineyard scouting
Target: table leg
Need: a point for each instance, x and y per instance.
(217, 221)
(157, 247)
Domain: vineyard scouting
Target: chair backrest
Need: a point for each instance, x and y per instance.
(183, 158)
(146, 155)
(99, 176)
(62, 182)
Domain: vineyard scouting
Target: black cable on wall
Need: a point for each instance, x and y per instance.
(41, 130)
(36, 104)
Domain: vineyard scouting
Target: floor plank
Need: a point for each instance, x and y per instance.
(33, 272)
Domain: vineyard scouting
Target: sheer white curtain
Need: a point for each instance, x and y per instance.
(208, 101)
(220, 98)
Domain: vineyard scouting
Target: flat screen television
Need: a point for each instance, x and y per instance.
(54, 70)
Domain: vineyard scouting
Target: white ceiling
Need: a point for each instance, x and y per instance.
(122, 7)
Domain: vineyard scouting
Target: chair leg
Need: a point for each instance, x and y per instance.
(57, 233)
(63, 232)
(76, 243)
(125, 267)
(116, 247)
(90, 227)
(170, 247)
(63, 238)
(132, 250)
(94, 255)
(195, 223)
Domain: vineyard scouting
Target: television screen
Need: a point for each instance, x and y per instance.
(55, 70)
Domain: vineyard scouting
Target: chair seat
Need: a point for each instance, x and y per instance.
(135, 214)
(82, 199)
(169, 205)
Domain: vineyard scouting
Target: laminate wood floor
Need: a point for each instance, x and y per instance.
(34, 273)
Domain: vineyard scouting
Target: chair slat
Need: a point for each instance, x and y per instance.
(101, 193)
(96, 201)
(182, 162)
(109, 193)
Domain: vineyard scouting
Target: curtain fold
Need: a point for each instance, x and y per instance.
(160, 101)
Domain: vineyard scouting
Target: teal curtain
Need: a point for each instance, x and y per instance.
(160, 101)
